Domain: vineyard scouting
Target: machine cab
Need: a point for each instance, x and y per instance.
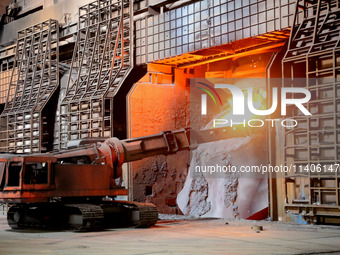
(23, 173)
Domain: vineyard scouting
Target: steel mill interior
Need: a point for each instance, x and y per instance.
(161, 126)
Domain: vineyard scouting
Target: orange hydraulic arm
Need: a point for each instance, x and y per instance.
(115, 152)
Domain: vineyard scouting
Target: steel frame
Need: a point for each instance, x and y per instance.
(314, 51)
(5, 77)
(23, 124)
(103, 57)
(204, 24)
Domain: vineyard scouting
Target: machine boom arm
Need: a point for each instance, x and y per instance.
(169, 142)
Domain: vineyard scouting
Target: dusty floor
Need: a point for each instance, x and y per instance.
(178, 237)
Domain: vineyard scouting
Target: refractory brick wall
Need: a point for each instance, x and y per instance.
(159, 102)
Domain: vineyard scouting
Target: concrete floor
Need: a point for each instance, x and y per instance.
(178, 237)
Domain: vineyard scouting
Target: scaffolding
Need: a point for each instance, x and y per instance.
(313, 54)
(24, 121)
(102, 58)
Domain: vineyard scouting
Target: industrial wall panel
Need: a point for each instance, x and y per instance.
(208, 23)
(313, 190)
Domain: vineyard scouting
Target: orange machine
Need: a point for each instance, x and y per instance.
(76, 188)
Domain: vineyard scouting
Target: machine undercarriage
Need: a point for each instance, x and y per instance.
(82, 216)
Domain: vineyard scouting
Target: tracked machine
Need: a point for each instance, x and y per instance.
(77, 188)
